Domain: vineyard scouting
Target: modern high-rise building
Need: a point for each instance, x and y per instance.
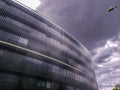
(36, 54)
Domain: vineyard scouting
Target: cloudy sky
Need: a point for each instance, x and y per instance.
(95, 27)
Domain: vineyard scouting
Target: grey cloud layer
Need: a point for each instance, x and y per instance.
(87, 20)
(108, 68)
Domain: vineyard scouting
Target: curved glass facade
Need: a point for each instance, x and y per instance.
(35, 54)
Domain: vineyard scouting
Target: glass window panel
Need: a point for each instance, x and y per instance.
(43, 84)
(14, 22)
(55, 69)
(32, 82)
(39, 84)
(27, 28)
(23, 41)
(77, 89)
(8, 78)
(64, 72)
(61, 71)
(34, 33)
(2, 3)
(1, 52)
(12, 37)
(48, 85)
(15, 10)
(3, 34)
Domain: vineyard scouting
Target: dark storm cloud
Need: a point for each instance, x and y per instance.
(89, 21)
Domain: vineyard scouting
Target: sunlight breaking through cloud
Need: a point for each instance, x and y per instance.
(30, 3)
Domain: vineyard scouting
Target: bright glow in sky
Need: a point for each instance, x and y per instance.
(108, 70)
(110, 44)
(31, 3)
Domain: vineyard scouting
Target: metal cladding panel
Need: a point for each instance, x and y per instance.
(35, 54)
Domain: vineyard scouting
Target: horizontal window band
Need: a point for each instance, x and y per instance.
(19, 47)
(86, 62)
(31, 38)
(39, 54)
